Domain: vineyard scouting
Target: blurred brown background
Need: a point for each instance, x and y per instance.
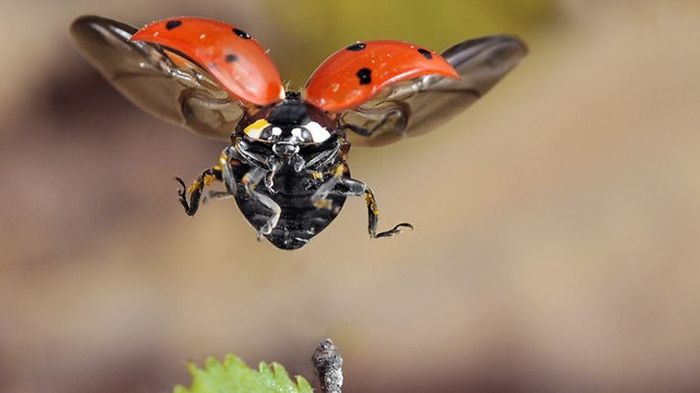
(557, 221)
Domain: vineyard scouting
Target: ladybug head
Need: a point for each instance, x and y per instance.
(291, 125)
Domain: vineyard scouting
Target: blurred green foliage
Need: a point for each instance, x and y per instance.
(234, 376)
(313, 29)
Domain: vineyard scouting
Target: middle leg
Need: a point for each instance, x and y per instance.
(250, 181)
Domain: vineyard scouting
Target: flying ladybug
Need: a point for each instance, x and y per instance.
(285, 162)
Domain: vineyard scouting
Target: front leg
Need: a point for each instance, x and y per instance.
(221, 172)
(356, 188)
(195, 190)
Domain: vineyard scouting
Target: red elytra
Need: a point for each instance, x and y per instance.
(355, 74)
(230, 55)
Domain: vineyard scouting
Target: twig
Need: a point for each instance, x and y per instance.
(328, 364)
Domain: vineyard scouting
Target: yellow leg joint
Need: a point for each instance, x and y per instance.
(208, 179)
(223, 161)
(371, 203)
(338, 171)
(323, 204)
(195, 186)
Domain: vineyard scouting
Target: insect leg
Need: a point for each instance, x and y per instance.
(274, 164)
(215, 195)
(250, 182)
(324, 158)
(195, 190)
(320, 197)
(228, 154)
(221, 172)
(356, 188)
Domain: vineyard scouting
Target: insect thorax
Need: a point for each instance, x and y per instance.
(291, 132)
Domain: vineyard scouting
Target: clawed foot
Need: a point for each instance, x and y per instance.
(182, 194)
(394, 231)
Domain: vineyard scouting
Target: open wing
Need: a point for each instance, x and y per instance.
(156, 80)
(419, 105)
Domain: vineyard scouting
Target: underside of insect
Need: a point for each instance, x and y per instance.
(285, 164)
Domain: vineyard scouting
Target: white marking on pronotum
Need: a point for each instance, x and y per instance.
(318, 133)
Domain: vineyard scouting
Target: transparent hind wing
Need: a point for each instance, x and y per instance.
(420, 105)
(156, 80)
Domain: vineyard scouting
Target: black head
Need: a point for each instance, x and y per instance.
(290, 125)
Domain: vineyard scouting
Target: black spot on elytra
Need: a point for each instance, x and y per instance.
(425, 53)
(357, 46)
(171, 24)
(365, 76)
(230, 58)
(241, 33)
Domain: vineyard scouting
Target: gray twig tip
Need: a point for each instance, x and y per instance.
(328, 364)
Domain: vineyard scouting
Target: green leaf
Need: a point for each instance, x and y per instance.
(234, 376)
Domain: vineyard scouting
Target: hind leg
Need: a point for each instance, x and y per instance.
(352, 187)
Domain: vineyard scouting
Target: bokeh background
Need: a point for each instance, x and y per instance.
(557, 240)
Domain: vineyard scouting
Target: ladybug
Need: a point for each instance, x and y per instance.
(286, 161)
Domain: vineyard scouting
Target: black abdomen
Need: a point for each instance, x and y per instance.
(300, 219)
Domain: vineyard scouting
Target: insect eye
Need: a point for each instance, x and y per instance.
(318, 133)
